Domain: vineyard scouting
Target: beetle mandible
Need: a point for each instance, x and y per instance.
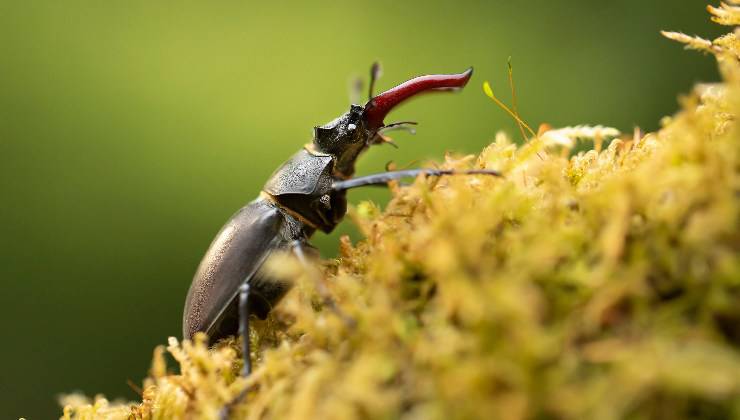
(305, 194)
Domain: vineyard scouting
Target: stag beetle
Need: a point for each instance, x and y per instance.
(305, 194)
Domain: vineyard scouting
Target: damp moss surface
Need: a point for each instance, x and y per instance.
(589, 282)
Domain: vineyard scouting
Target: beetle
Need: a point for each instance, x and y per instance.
(305, 194)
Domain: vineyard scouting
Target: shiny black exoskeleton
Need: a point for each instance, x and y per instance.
(306, 193)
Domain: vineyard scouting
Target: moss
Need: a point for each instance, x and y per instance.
(600, 285)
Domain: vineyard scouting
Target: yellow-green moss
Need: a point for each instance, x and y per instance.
(601, 286)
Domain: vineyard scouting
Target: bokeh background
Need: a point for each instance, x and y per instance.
(130, 131)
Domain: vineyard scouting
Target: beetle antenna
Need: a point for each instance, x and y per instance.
(379, 106)
(375, 72)
(381, 138)
(401, 125)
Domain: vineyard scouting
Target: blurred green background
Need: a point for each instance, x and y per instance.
(130, 131)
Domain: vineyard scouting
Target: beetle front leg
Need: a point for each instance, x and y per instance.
(384, 177)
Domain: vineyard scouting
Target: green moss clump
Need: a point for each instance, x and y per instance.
(603, 285)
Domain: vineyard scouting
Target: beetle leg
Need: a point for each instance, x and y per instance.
(384, 177)
(299, 249)
(244, 327)
(246, 348)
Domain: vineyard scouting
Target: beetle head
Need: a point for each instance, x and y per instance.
(344, 137)
(349, 135)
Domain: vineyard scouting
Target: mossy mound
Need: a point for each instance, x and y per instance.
(602, 285)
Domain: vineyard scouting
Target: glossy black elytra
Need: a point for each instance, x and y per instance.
(306, 193)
